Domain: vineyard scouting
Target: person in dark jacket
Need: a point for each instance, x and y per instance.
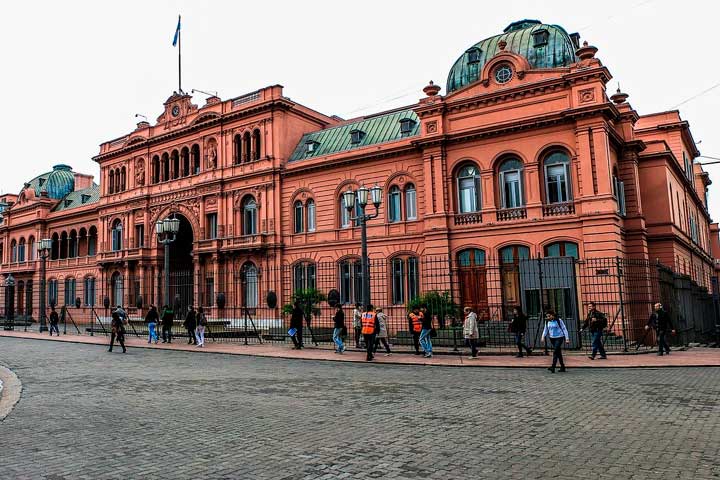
(190, 324)
(151, 319)
(518, 327)
(296, 322)
(596, 321)
(117, 331)
(662, 324)
(54, 322)
(369, 329)
(168, 317)
(338, 327)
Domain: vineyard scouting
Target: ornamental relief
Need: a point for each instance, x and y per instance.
(587, 95)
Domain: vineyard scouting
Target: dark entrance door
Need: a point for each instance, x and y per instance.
(181, 268)
(472, 276)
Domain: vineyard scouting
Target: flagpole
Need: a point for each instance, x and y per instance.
(179, 58)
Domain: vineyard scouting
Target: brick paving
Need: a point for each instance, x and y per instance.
(152, 413)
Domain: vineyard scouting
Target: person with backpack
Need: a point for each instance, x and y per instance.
(190, 325)
(201, 325)
(662, 324)
(596, 321)
(470, 331)
(117, 331)
(415, 319)
(382, 332)
(556, 330)
(357, 324)
(518, 327)
(151, 319)
(54, 321)
(168, 318)
(338, 327)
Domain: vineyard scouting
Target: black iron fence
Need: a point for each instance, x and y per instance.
(239, 301)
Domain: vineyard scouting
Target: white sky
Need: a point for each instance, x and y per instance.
(75, 73)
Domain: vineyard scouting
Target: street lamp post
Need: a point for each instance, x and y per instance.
(361, 196)
(167, 230)
(9, 302)
(43, 248)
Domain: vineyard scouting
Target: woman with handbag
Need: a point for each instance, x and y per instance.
(470, 331)
(339, 327)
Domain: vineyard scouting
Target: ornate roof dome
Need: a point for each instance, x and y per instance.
(544, 46)
(59, 182)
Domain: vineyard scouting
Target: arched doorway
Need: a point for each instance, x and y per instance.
(181, 268)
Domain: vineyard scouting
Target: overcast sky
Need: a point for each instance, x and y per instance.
(74, 74)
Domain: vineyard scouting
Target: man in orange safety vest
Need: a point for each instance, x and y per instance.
(370, 327)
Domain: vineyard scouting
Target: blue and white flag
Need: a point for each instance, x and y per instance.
(177, 32)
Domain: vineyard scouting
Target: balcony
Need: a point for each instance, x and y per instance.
(557, 209)
(243, 242)
(510, 214)
(468, 218)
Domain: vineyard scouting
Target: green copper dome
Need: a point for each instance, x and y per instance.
(59, 182)
(554, 48)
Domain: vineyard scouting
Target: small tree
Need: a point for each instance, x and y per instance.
(309, 300)
(437, 303)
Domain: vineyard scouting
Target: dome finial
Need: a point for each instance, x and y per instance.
(619, 97)
(586, 52)
(431, 89)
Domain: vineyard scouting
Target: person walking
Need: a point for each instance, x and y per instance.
(518, 327)
(470, 331)
(415, 327)
(662, 324)
(117, 331)
(338, 327)
(122, 313)
(556, 331)
(168, 318)
(54, 322)
(190, 325)
(201, 326)
(425, 342)
(357, 324)
(296, 322)
(382, 332)
(369, 330)
(151, 319)
(596, 321)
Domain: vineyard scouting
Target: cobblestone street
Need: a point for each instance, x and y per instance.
(86, 413)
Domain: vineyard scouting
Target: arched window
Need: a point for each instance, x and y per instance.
(394, 214)
(123, 179)
(72, 244)
(165, 167)
(250, 287)
(116, 233)
(92, 241)
(512, 254)
(350, 281)
(237, 149)
(117, 180)
(562, 249)
(345, 216)
(89, 291)
(405, 279)
(55, 247)
(21, 250)
(185, 160)
(310, 206)
(175, 157)
(249, 209)
(471, 257)
(13, 251)
(299, 215)
(303, 276)
(82, 242)
(511, 185)
(410, 202)
(156, 169)
(256, 145)
(195, 157)
(111, 182)
(69, 291)
(246, 147)
(116, 289)
(31, 249)
(63, 245)
(468, 186)
(557, 178)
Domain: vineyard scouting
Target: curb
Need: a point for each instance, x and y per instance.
(10, 393)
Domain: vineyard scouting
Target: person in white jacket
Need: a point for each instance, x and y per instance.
(382, 335)
(470, 331)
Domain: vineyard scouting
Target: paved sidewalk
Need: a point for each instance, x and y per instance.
(696, 357)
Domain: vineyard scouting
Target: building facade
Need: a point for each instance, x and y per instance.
(526, 154)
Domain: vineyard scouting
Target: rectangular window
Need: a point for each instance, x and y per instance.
(89, 292)
(209, 291)
(21, 252)
(69, 291)
(413, 279)
(621, 198)
(410, 204)
(394, 206)
(556, 184)
(299, 214)
(398, 281)
(139, 236)
(344, 214)
(512, 189)
(211, 225)
(350, 282)
(52, 292)
(468, 193)
(311, 216)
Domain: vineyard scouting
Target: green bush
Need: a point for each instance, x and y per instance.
(309, 299)
(437, 303)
